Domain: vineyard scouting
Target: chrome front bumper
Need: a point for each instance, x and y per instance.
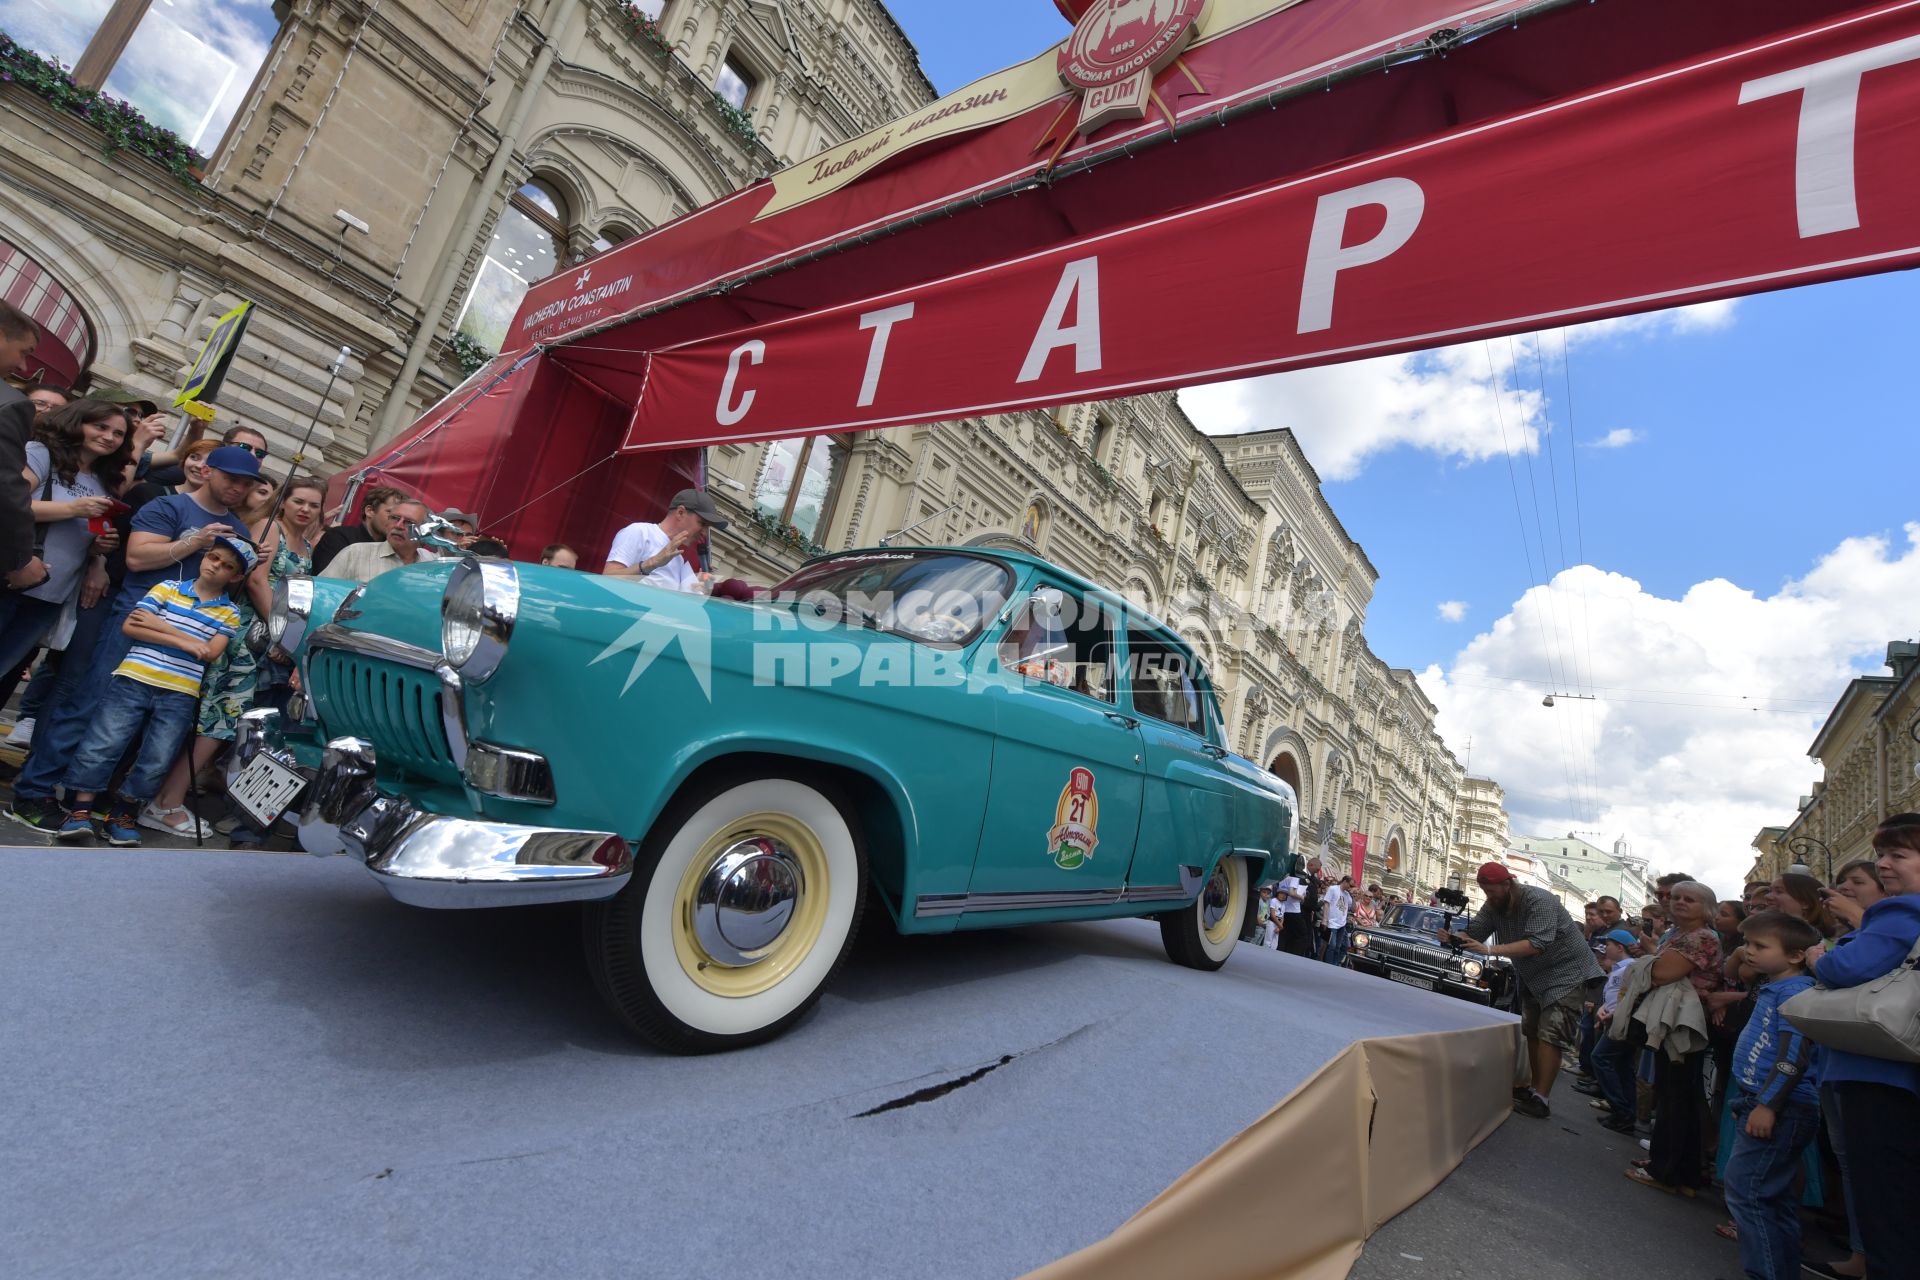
(431, 860)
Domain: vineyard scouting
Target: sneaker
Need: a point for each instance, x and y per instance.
(1616, 1124)
(1601, 1104)
(1589, 1087)
(37, 813)
(22, 735)
(174, 822)
(122, 827)
(77, 828)
(1532, 1104)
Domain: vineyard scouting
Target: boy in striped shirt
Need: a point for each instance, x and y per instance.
(177, 628)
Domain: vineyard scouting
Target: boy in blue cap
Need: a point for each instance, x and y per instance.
(177, 628)
(1613, 1059)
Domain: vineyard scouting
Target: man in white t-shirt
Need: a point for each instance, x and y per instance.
(651, 552)
(1339, 902)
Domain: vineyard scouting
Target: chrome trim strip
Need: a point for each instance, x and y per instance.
(931, 905)
(509, 774)
(453, 714)
(367, 644)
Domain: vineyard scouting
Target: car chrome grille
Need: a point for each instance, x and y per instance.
(395, 708)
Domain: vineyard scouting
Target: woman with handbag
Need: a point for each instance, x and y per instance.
(1879, 1096)
(73, 463)
(1676, 1155)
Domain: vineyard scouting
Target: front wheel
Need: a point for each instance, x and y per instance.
(744, 900)
(1202, 936)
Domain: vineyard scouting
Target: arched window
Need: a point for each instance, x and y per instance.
(527, 245)
(612, 234)
(796, 482)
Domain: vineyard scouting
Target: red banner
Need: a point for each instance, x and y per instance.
(1359, 861)
(1783, 162)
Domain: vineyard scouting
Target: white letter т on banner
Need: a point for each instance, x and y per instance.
(1823, 189)
(727, 413)
(881, 322)
(1327, 257)
(1079, 284)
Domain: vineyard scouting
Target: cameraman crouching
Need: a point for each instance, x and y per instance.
(1553, 963)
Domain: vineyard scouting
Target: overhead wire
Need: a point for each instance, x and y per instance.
(1585, 733)
(1552, 605)
(1579, 524)
(1513, 481)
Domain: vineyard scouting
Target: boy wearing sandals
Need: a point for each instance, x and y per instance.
(177, 628)
(1777, 1107)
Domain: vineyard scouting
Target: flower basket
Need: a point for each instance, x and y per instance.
(121, 126)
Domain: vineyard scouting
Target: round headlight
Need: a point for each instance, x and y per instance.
(477, 614)
(1470, 967)
(1360, 941)
(292, 606)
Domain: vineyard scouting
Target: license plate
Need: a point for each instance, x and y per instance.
(265, 788)
(1425, 984)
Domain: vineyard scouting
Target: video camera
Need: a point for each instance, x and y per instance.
(1455, 900)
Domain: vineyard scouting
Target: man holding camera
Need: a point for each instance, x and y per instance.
(1553, 963)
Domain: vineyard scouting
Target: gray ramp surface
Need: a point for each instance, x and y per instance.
(240, 1064)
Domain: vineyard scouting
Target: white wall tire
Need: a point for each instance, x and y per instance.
(663, 977)
(1202, 935)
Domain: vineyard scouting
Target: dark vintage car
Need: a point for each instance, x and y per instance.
(1405, 947)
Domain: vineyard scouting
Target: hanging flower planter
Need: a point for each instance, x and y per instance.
(644, 29)
(121, 126)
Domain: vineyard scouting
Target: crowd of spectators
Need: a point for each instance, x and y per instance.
(1685, 1046)
(1313, 914)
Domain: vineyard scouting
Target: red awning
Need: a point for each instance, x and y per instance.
(66, 339)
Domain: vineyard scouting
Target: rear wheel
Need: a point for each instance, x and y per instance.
(1201, 936)
(744, 900)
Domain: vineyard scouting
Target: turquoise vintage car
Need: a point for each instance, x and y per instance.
(961, 738)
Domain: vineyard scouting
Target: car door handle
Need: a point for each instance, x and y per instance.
(1123, 720)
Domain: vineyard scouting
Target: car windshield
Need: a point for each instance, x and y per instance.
(940, 598)
(1417, 919)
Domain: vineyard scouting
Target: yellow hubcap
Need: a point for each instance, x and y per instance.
(1223, 885)
(800, 879)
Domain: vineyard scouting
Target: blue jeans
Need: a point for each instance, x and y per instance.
(24, 623)
(1830, 1106)
(161, 718)
(1613, 1068)
(1337, 944)
(1589, 1036)
(63, 724)
(1760, 1195)
(62, 669)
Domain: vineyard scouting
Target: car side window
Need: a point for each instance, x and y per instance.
(1058, 639)
(1162, 679)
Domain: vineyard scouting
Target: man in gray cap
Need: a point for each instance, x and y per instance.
(651, 552)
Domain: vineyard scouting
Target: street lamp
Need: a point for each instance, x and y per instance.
(1801, 846)
(1583, 697)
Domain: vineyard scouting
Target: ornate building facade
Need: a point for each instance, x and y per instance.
(1228, 538)
(1869, 756)
(388, 175)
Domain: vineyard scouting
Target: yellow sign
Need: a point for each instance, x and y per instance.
(210, 370)
(989, 100)
(195, 409)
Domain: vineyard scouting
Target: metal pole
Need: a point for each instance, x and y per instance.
(339, 363)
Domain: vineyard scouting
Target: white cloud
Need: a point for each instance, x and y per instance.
(1443, 401)
(1706, 703)
(1618, 438)
(1453, 610)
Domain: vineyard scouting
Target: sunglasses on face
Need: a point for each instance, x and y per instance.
(257, 450)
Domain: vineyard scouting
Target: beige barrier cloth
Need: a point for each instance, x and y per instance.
(1363, 1138)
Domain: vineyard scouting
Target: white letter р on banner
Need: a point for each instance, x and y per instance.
(1080, 280)
(1823, 190)
(1327, 257)
(727, 413)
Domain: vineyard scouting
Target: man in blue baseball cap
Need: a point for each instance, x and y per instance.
(168, 537)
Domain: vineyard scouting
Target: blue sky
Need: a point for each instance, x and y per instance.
(1749, 543)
